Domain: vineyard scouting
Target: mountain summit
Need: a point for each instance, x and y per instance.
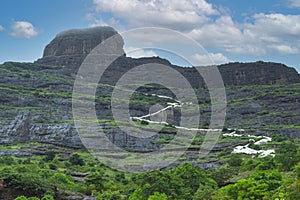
(69, 48)
(36, 98)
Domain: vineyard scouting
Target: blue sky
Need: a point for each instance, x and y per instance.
(230, 30)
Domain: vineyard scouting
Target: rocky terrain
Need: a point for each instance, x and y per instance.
(35, 103)
(36, 120)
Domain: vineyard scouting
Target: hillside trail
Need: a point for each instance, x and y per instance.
(244, 149)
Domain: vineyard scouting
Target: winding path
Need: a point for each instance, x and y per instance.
(238, 149)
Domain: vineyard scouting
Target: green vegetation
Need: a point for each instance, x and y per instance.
(56, 175)
(46, 92)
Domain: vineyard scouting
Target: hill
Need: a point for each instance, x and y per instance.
(39, 138)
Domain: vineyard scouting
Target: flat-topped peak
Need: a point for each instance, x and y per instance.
(109, 31)
(72, 46)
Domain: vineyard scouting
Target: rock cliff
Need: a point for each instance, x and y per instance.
(258, 73)
(69, 48)
(36, 97)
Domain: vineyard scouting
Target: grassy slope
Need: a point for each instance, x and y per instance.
(24, 87)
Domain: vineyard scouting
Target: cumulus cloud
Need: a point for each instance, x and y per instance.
(220, 33)
(209, 59)
(284, 49)
(1, 28)
(267, 33)
(178, 14)
(210, 26)
(294, 3)
(138, 52)
(275, 32)
(276, 24)
(23, 29)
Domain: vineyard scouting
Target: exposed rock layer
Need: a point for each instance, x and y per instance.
(69, 49)
(36, 98)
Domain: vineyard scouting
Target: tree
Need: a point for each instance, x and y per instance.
(143, 122)
(7, 160)
(50, 155)
(261, 185)
(235, 160)
(293, 191)
(52, 166)
(76, 159)
(96, 180)
(178, 183)
(286, 155)
(47, 197)
(138, 194)
(297, 171)
(223, 174)
(21, 198)
(33, 198)
(246, 189)
(266, 163)
(29, 182)
(204, 192)
(111, 195)
(158, 196)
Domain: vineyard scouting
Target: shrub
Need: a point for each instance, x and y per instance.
(143, 122)
(47, 197)
(204, 192)
(21, 198)
(52, 166)
(29, 182)
(7, 160)
(27, 161)
(235, 160)
(286, 155)
(50, 155)
(158, 196)
(62, 179)
(111, 195)
(75, 159)
(96, 179)
(297, 171)
(33, 198)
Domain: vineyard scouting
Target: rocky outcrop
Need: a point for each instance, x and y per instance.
(23, 129)
(36, 97)
(258, 73)
(69, 48)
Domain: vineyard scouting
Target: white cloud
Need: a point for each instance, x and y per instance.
(268, 33)
(138, 52)
(23, 29)
(294, 3)
(275, 32)
(211, 27)
(277, 24)
(220, 33)
(209, 59)
(284, 49)
(1, 28)
(95, 21)
(177, 14)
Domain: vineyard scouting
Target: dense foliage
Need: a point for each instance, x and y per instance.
(57, 175)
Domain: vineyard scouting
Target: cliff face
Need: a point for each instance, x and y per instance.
(258, 73)
(69, 48)
(36, 102)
